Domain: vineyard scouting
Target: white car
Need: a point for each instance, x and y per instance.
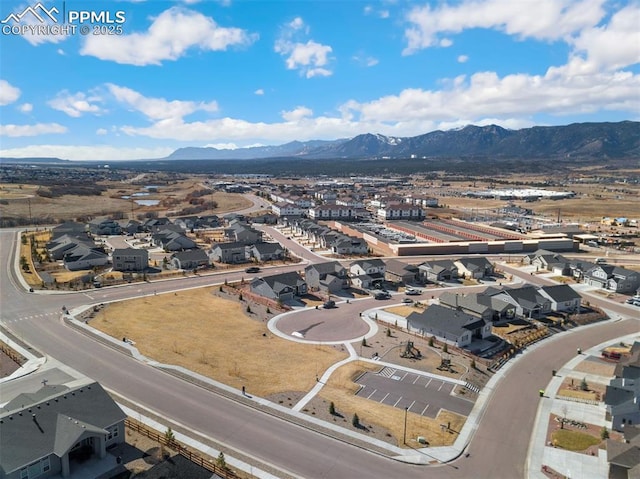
(412, 292)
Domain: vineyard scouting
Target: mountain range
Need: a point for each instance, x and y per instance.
(578, 140)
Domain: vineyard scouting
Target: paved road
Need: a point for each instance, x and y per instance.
(498, 449)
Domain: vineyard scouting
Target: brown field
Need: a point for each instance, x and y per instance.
(403, 311)
(226, 346)
(340, 389)
(109, 202)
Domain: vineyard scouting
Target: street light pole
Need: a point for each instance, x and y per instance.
(404, 435)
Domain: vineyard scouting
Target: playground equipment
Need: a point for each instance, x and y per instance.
(410, 351)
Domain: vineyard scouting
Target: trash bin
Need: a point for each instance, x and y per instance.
(553, 372)
(542, 393)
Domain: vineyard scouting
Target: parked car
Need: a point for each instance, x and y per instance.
(407, 300)
(329, 304)
(252, 269)
(382, 295)
(601, 260)
(412, 292)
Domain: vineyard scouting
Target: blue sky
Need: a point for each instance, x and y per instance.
(164, 75)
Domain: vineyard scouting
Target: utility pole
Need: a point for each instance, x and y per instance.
(404, 434)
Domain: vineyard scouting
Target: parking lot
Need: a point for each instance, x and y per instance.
(420, 394)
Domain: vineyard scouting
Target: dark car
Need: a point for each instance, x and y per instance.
(252, 269)
(382, 295)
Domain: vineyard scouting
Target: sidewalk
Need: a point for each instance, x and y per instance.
(570, 464)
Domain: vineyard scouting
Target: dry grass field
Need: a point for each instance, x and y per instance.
(341, 389)
(403, 310)
(25, 201)
(213, 336)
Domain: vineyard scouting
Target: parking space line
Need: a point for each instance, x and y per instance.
(427, 385)
(409, 408)
(374, 391)
(405, 375)
(441, 386)
(385, 397)
(399, 399)
(416, 380)
(424, 410)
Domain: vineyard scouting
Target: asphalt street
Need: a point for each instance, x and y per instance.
(498, 448)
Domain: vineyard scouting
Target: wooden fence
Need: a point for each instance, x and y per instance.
(172, 443)
(14, 355)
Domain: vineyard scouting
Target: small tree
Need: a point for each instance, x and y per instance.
(268, 310)
(604, 433)
(364, 342)
(445, 348)
(332, 408)
(355, 420)
(221, 462)
(169, 436)
(473, 364)
(388, 333)
(583, 385)
(240, 296)
(248, 309)
(221, 290)
(431, 341)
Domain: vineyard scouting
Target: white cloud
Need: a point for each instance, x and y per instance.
(158, 108)
(31, 130)
(26, 108)
(297, 114)
(364, 60)
(259, 91)
(463, 58)
(169, 37)
(60, 51)
(76, 104)
(310, 58)
(101, 131)
(446, 42)
(370, 10)
(539, 19)
(8, 92)
(104, 153)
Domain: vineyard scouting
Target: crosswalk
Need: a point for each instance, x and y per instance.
(472, 387)
(387, 372)
(50, 314)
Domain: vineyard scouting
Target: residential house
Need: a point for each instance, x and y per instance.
(130, 259)
(132, 227)
(450, 325)
(398, 272)
(104, 227)
(48, 431)
(528, 300)
(241, 232)
(622, 396)
(190, 259)
(62, 244)
(230, 253)
(423, 201)
(328, 277)
(172, 241)
(367, 273)
(563, 297)
(70, 228)
(349, 245)
(474, 267)
(279, 287)
(624, 457)
(83, 257)
(437, 271)
(481, 305)
(614, 278)
(267, 251)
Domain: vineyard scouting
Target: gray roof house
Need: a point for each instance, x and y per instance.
(104, 227)
(438, 270)
(231, 253)
(563, 297)
(173, 240)
(474, 267)
(130, 259)
(70, 228)
(279, 287)
(451, 325)
(397, 271)
(82, 257)
(624, 457)
(190, 259)
(479, 304)
(58, 247)
(529, 302)
(367, 273)
(622, 396)
(267, 251)
(614, 278)
(330, 276)
(43, 433)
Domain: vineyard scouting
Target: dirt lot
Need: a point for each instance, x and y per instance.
(215, 336)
